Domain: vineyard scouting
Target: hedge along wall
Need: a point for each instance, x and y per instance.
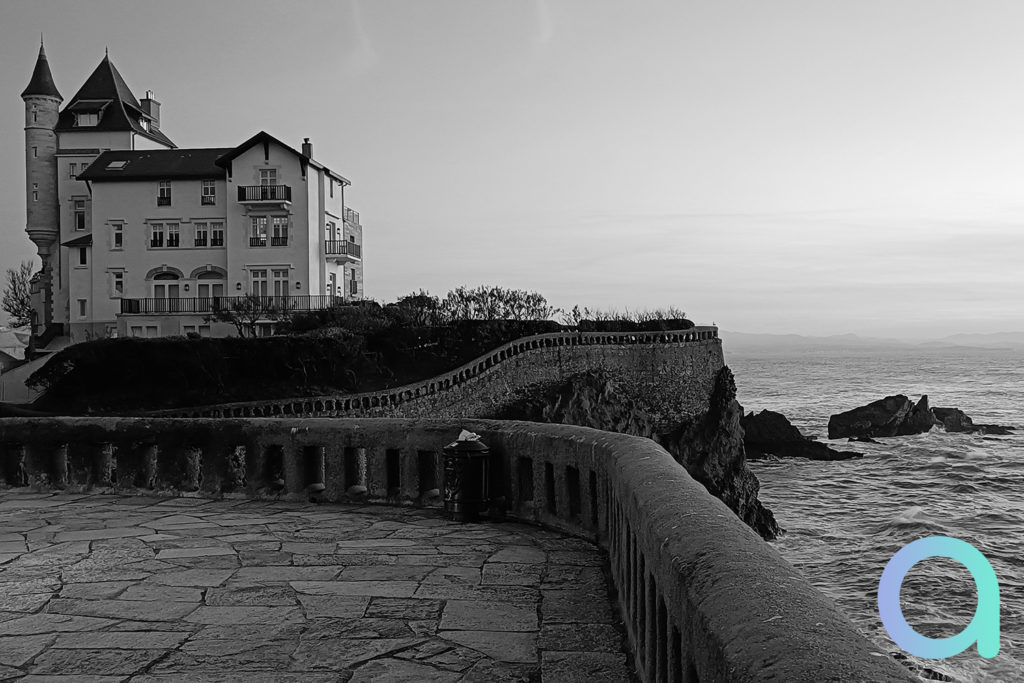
(670, 374)
(703, 598)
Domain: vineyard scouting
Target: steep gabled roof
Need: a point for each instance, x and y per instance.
(42, 80)
(156, 164)
(266, 138)
(106, 91)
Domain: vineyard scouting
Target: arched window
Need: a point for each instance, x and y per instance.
(209, 284)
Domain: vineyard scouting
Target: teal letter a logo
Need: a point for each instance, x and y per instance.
(984, 627)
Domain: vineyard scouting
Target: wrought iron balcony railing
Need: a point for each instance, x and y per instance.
(343, 248)
(264, 193)
(209, 305)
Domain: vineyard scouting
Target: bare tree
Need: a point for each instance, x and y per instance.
(17, 301)
(245, 312)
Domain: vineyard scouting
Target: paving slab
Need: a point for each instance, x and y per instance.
(103, 588)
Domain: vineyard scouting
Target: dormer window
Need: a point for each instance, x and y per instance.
(87, 120)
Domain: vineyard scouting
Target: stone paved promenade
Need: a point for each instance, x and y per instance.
(107, 588)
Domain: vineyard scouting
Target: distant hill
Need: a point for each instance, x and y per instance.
(1002, 340)
(795, 343)
(743, 342)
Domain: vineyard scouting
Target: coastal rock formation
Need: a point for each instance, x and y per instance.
(890, 416)
(709, 446)
(770, 433)
(899, 416)
(956, 420)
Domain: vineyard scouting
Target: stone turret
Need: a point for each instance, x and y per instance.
(42, 106)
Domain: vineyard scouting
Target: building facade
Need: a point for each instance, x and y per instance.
(139, 237)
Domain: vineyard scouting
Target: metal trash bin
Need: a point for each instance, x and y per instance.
(467, 476)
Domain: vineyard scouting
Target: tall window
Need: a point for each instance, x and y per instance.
(79, 214)
(166, 291)
(117, 235)
(259, 282)
(35, 151)
(163, 193)
(332, 231)
(156, 237)
(280, 282)
(258, 234)
(117, 284)
(353, 284)
(280, 227)
(35, 192)
(72, 171)
(202, 234)
(82, 307)
(209, 192)
(217, 234)
(173, 237)
(83, 256)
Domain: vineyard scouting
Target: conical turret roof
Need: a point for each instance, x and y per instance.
(42, 80)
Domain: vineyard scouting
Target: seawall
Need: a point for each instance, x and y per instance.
(670, 374)
(701, 596)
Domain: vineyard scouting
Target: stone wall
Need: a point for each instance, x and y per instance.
(669, 374)
(701, 596)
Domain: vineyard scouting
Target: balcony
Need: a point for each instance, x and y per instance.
(257, 241)
(352, 217)
(279, 241)
(265, 194)
(210, 305)
(343, 251)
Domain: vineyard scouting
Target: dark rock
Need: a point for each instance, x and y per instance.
(956, 420)
(890, 416)
(709, 446)
(898, 416)
(919, 420)
(770, 433)
(996, 430)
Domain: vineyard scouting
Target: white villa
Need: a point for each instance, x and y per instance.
(139, 237)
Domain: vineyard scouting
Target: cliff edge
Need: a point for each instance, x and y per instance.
(709, 445)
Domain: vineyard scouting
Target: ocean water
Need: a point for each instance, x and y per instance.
(844, 520)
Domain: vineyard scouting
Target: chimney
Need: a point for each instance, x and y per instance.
(151, 107)
(307, 148)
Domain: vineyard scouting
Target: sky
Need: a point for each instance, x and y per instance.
(796, 166)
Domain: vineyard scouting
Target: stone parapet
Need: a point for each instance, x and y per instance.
(701, 596)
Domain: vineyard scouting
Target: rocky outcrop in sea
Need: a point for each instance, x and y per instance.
(770, 434)
(709, 446)
(899, 416)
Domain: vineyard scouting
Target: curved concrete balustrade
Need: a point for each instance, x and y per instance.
(383, 402)
(702, 597)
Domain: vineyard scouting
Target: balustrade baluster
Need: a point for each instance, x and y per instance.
(61, 478)
(106, 465)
